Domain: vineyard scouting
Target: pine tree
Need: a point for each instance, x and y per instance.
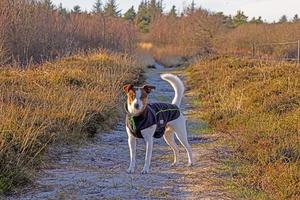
(111, 9)
(256, 21)
(283, 19)
(226, 20)
(155, 8)
(239, 19)
(159, 6)
(130, 14)
(76, 9)
(62, 10)
(173, 12)
(97, 7)
(48, 4)
(259, 20)
(193, 6)
(295, 18)
(143, 17)
(190, 9)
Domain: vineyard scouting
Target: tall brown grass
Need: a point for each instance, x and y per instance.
(184, 36)
(68, 99)
(32, 32)
(241, 39)
(203, 32)
(256, 104)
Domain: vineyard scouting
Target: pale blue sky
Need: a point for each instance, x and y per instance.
(269, 9)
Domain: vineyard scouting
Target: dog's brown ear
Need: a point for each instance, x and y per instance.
(127, 87)
(148, 88)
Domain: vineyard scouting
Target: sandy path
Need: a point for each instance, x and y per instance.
(97, 170)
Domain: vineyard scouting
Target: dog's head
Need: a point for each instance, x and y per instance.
(137, 97)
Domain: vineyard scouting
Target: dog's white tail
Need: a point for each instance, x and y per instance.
(177, 85)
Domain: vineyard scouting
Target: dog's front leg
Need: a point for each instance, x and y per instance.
(148, 137)
(132, 150)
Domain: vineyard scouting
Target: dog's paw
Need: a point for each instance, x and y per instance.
(145, 171)
(190, 164)
(130, 170)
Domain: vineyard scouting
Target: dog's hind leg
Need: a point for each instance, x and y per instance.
(170, 140)
(179, 126)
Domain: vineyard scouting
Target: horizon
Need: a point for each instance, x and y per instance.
(275, 8)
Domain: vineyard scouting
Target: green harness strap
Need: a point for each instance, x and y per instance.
(166, 111)
(132, 123)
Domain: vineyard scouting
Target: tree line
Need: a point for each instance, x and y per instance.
(149, 10)
(60, 31)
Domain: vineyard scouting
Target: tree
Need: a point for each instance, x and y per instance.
(159, 6)
(191, 8)
(143, 17)
(76, 9)
(154, 9)
(256, 21)
(130, 14)
(173, 12)
(226, 20)
(239, 19)
(283, 19)
(296, 18)
(259, 20)
(48, 4)
(62, 10)
(97, 7)
(111, 9)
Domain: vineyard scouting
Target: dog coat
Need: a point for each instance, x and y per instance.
(156, 113)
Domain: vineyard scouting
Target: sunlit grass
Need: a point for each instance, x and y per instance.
(66, 100)
(257, 107)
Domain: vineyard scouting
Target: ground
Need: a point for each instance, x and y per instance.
(97, 169)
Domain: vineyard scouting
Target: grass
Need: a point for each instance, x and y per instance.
(256, 105)
(63, 101)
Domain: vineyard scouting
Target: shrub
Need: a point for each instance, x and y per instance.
(30, 31)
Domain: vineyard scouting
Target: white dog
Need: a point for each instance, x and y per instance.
(145, 120)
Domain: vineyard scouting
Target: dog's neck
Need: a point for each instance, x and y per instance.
(142, 112)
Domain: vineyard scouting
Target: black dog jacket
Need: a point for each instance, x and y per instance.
(156, 113)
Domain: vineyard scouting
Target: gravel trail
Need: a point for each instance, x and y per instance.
(97, 170)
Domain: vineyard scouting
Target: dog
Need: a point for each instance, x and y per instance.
(146, 120)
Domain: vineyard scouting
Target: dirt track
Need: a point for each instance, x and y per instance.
(97, 170)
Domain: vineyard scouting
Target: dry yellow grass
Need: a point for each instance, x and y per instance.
(257, 106)
(241, 39)
(68, 99)
(57, 33)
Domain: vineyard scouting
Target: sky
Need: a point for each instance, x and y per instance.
(269, 10)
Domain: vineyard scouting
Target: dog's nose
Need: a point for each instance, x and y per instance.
(136, 106)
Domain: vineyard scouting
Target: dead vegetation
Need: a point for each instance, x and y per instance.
(203, 32)
(31, 32)
(65, 101)
(256, 105)
(240, 40)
